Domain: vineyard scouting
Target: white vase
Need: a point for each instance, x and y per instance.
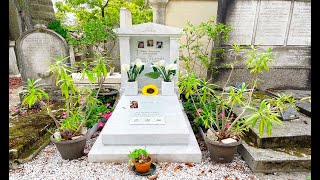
(131, 88)
(167, 88)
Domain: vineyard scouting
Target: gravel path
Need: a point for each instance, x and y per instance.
(48, 164)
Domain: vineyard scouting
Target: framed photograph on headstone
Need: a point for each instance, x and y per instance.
(150, 43)
(159, 44)
(140, 44)
(134, 104)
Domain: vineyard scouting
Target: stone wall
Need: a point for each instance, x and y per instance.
(24, 14)
(283, 25)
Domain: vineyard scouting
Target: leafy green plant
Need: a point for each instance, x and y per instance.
(197, 47)
(160, 69)
(59, 28)
(216, 113)
(138, 156)
(78, 102)
(133, 70)
(98, 111)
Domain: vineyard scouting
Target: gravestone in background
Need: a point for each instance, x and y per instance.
(35, 50)
(284, 25)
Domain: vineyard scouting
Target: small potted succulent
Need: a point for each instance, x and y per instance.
(132, 71)
(141, 160)
(160, 69)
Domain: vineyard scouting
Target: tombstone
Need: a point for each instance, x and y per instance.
(284, 25)
(156, 123)
(35, 50)
(13, 68)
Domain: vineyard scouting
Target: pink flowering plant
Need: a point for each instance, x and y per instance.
(79, 103)
(215, 109)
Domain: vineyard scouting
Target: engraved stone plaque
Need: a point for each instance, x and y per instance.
(300, 27)
(241, 16)
(35, 51)
(272, 22)
(154, 49)
(147, 118)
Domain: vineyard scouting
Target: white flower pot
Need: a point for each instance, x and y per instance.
(167, 88)
(131, 88)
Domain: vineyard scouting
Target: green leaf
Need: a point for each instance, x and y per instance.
(153, 75)
(261, 126)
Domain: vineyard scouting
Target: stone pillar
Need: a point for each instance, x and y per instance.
(174, 56)
(125, 18)
(13, 67)
(124, 43)
(159, 11)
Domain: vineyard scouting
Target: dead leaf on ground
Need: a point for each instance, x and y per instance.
(189, 164)
(130, 168)
(176, 168)
(166, 166)
(228, 178)
(153, 177)
(210, 171)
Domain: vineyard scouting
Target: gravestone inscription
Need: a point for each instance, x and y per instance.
(36, 49)
(284, 25)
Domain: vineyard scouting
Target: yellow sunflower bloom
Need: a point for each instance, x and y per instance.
(150, 90)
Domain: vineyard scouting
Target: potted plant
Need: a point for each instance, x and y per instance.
(132, 71)
(70, 137)
(166, 72)
(216, 112)
(141, 160)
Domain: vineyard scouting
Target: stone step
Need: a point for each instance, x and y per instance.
(304, 106)
(276, 159)
(160, 153)
(293, 133)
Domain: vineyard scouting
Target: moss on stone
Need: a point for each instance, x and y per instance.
(299, 152)
(27, 130)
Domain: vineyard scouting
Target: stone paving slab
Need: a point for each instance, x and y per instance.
(270, 160)
(304, 106)
(293, 133)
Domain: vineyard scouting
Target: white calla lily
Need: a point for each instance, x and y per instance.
(171, 67)
(125, 67)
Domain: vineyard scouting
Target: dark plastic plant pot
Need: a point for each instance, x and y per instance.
(109, 97)
(70, 149)
(220, 152)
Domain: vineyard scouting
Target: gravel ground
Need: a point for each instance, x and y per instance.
(48, 164)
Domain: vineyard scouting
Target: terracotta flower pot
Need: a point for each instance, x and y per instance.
(220, 152)
(143, 168)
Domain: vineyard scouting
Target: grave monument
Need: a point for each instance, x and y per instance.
(158, 123)
(35, 50)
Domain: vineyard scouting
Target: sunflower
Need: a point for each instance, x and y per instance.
(150, 90)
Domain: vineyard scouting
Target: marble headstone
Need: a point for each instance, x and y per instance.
(149, 42)
(35, 50)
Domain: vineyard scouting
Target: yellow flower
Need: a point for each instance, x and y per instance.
(150, 90)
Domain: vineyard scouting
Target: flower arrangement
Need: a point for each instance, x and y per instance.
(150, 90)
(165, 71)
(133, 70)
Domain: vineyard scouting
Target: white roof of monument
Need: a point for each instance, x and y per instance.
(149, 29)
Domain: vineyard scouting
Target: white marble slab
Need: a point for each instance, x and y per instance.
(160, 153)
(119, 131)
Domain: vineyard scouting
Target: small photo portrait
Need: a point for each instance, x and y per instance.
(150, 43)
(134, 104)
(140, 44)
(159, 44)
